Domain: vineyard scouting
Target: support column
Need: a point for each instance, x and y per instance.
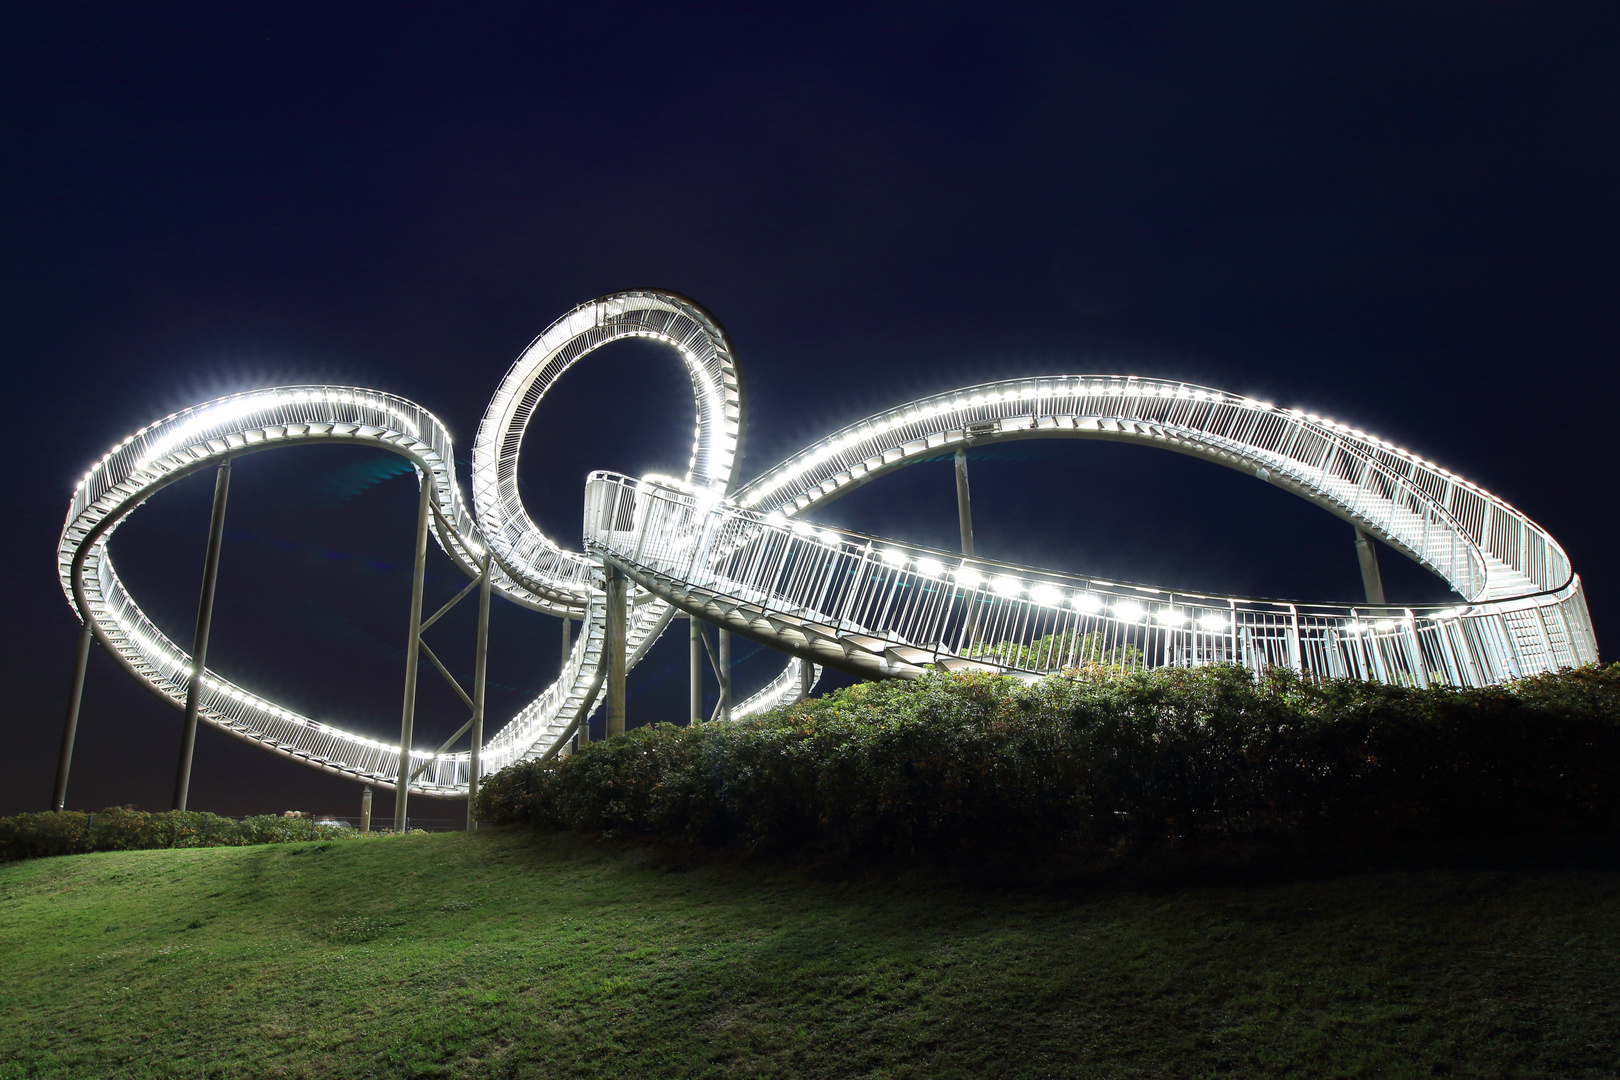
(964, 502)
(480, 663)
(567, 642)
(199, 639)
(724, 652)
(617, 594)
(964, 521)
(807, 675)
(365, 810)
(1371, 582)
(70, 728)
(694, 708)
(407, 721)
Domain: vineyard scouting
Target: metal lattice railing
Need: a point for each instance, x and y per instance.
(879, 606)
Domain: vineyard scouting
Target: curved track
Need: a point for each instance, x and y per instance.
(749, 562)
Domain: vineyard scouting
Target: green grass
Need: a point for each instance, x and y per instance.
(506, 953)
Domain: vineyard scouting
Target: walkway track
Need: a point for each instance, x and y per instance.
(864, 610)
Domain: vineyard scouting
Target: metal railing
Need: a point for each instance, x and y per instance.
(879, 606)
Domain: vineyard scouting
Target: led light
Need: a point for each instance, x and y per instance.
(1128, 611)
(968, 577)
(1214, 622)
(893, 556)
(1008, 586)
(801, 528)
(930, 568)
(1384, 624)
(828, 537)
(1170, 617)
(1045, 595)
(1084, 601)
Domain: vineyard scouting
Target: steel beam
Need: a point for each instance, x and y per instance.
(199, 640)
(1371, 581)
(964, 502)
(70, 728)
(724, 650)
(407, 721)
(618, 589)
(694, 706)
(480, 663)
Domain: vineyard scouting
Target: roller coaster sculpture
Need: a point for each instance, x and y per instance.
(748, 559)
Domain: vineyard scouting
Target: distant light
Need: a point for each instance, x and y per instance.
(968, 577)
(893, 556)
(1384, 624)
(800, 528)
(1214, 622)
(1128, 611)
(1170, 617)
(1008, 586)
(1085, 601)
(930, 568)
(828, 537)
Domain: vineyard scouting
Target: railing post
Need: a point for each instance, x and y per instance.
(614, 646)
(199, 640)
(480, 663)
(407, 723)
(70, 727)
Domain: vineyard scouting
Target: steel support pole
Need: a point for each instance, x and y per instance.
(480, 663)
(964, 502)
(807, 674)
(617, 594)
(365, 810)
(407, 722)
(70, 728)
(1367, 554)
(964, 521)
(199, 639)
(724, 656)
(567, 641)
(694, 708)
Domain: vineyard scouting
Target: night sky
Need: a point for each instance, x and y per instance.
(1402, 216)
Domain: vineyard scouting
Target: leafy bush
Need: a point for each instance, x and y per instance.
(70, 832)
(1066, 650)
(980, 763)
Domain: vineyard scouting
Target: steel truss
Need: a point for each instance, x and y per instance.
(750, 563)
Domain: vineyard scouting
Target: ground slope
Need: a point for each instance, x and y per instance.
(508, 954)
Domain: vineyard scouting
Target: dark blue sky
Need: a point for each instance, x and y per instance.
(1402, 216)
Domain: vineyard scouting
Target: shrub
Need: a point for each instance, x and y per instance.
(983, 763)
(71, 832)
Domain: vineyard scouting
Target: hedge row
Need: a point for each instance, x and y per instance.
(977, 763)
(69, 832)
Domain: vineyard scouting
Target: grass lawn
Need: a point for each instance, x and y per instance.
(509, 954)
